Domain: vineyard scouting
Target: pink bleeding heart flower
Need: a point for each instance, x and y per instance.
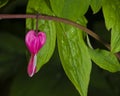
(34, 42)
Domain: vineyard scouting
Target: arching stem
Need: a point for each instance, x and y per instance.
(46, 17)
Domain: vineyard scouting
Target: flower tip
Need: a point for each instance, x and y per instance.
(31, 73)
(32, 65)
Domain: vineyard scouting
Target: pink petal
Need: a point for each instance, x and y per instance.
(35, 41)
(32, 65)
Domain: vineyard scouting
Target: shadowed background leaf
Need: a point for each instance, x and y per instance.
(3, 3)
(49, 81)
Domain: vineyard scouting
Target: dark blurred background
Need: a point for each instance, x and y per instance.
(51, 79)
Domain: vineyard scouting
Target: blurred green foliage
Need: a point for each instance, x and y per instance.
(3, 3)
(51, 79)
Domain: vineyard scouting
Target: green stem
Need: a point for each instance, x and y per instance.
(37, 23)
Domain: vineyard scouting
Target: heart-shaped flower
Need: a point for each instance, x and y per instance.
(34, 42)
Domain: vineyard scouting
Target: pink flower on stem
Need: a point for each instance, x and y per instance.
(34, 42)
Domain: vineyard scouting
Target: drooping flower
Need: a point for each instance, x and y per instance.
(34, 42)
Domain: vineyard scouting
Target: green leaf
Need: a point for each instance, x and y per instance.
(48, 27)
(112, 19)
(3, 3)
(115, 38)
(96, 5)
(105, 59)
(70, 9)
(11, 43)
(47, 51)
(39, 7)
(74, 56)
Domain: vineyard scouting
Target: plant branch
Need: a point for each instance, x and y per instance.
(54, 18)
